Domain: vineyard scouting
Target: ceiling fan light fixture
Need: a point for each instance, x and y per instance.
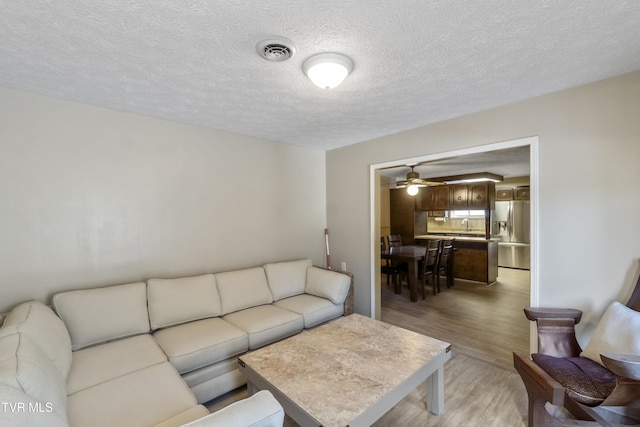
(413, 189)
(327, 70)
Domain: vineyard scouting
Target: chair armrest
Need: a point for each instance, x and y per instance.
(535, 313)
(260, 409)
(623, 365)
(538, 382)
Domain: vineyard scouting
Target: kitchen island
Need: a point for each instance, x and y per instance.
(475, 258)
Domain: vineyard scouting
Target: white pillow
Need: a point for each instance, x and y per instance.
(175, 301)
(327, 284)
(98, 315)
(617, 332)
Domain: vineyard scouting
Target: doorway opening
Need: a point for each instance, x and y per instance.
(530, 143)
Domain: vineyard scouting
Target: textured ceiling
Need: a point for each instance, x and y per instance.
(416, 62)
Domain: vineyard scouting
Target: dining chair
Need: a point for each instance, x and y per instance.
(402, 268)
(445, 264)
(387, 268)
(429, 265)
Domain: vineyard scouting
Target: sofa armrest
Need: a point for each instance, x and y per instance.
(349, 301)
(259, 410)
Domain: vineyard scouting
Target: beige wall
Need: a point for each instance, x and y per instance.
(589, 205)
(91, 196)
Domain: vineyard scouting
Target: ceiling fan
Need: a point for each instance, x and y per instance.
(413, 182)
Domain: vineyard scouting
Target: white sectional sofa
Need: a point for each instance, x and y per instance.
(149, 354)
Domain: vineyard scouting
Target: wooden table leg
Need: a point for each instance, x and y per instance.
(413, 280)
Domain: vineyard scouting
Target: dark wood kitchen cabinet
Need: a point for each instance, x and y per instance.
(433, 198)
(459, 197)
(404, 218)
(504, 194)
(481, 195)
(522, 193)
(476, 260)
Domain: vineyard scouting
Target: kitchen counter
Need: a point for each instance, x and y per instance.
(475, 258)
(480, 238)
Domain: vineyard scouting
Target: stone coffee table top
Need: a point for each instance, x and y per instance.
(337, 370)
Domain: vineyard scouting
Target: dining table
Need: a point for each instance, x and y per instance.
(409, 254)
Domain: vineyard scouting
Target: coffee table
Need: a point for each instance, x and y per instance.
(348, 372)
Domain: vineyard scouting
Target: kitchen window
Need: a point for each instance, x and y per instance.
(467, 214)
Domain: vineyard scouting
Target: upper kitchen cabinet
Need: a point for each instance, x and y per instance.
(522, 193)
(481, 195)
(504, 194)
(433, 198)
(459, 197)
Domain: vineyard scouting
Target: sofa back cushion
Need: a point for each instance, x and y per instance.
(38, 322)
(242, 289)
(99, 315)
(30, 379)
(327, 284)
(288, 278)
(175, 301)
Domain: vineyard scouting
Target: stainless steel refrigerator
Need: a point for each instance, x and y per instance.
(511, 224)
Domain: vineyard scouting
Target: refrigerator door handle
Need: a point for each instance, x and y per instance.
(510, 221)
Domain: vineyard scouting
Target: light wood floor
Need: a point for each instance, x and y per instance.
(481, 386)
(484, 322)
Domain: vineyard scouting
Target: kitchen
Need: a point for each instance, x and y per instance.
(486, 212)
(492, 281)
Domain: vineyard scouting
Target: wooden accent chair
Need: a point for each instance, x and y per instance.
(593, 394)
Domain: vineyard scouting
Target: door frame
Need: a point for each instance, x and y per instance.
(374, 185)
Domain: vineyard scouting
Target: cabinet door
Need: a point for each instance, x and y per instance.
(402, 208)
(479, 196)
(522, 193)
(433, 198)
(439, 197)
(459, 197)
(504, 194)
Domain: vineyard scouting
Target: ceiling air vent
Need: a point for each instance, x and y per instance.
(276, 49)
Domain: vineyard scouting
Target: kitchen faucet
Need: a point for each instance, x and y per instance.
(465, 221)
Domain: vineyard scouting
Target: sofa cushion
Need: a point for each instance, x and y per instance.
(327, 284)
(242, 289)
(16, 414)
(585, 380)
(175, 301)
(617, 332)
(266, 324)
(191, 414)
(99, 315)
(314, 310)
(100, 363)
(142, 398)
(204, 342)
(38, 322)
(259, 410)
(25, 368)
(287, 278)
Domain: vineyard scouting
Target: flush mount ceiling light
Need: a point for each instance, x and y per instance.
(327, 70)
